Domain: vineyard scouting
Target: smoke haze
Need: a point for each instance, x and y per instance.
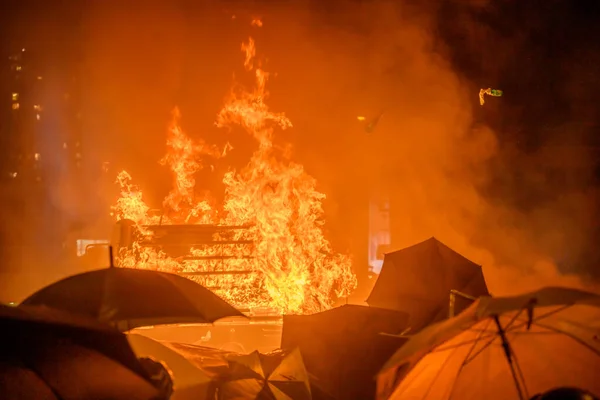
(451, 168)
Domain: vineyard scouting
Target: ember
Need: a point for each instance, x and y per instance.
(275, 254)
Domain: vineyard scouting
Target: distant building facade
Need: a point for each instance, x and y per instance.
(379, 232)
(41, 146)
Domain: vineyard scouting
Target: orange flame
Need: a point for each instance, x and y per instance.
(183, 158)
(295, 269)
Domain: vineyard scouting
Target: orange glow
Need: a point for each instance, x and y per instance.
(257, 22)
(294, 268)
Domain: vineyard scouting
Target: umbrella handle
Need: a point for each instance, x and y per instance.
(111, 259)
(508, 354)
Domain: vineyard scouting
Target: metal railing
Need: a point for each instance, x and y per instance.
(452, 305)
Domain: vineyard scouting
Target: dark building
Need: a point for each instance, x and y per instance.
(40, 135)
(23, 122)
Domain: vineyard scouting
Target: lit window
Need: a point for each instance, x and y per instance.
(13, 174)
(23, 49)
(37, 107)
(37, 116)
(39, 78)
(15, 96)
(18, 68)
(15, 106)
(37, 156)
(64, 145)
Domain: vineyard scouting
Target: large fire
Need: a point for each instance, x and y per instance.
(291, 265)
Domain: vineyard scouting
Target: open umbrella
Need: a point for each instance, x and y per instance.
(45, 354)
(502, 348)
(266, 377)
(131, 298)
(420, 279)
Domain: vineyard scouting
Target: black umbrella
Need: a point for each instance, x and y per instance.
(130, 298)
(343, 348)
(420, 279)
(45, 354)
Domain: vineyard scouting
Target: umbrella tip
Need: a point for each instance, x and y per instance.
(111, 259)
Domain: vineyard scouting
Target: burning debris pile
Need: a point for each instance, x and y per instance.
(279, 257)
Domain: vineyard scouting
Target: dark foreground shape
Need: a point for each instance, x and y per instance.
(343, 349)
(565, 394)
(46, 354)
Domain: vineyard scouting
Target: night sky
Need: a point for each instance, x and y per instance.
(333, 60)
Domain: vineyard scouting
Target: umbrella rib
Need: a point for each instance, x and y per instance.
(460, 344)
(575, 338)
(478, 352)
(512, 320)
(506, 329)
(471, 355)
(440, 371)
(464, 363)
(542, 316)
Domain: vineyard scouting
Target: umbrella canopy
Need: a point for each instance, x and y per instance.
(342, 346)
(47, 355)
(502, 348)
(419, 279)
(260, 376)
(195, 369)
(130, 298)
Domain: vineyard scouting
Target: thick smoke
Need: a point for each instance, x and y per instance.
(447, 174)
(451, 168)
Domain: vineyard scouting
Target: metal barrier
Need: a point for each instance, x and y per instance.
(452, 305)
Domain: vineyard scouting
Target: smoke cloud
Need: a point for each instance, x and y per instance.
(447, 173)
(432, 155)
(451, 169)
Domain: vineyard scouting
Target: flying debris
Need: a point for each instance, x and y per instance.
(489, 92)
(372, 123)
